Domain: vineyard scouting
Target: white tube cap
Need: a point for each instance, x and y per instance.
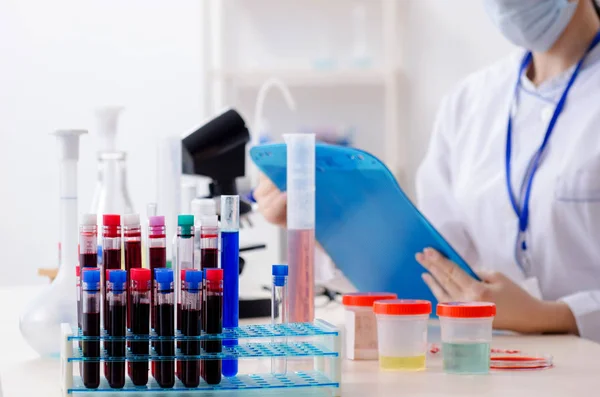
(203, 207)
(89, 220)
(209, 221)
(131, 220)
(68, 141)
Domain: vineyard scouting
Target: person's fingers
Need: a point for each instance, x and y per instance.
(438, 272)
(264, 188)
(274, 207)
(450, 270)
(489, 276)
(440, 294)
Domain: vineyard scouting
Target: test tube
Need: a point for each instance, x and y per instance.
(165, 328)
(301, 225)
(137, 367)
(213, 312)
(111, 249)
(132, 235)
(88, 241)
(78, 293)
(116, 297)
(279, 304)
(90, 324)
(181, 323)
(184, 260)
(192, 311)
(230, 263)
(200, 209)
(157, 251)
(185, 247)
(209, 252)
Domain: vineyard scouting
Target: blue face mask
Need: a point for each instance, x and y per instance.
(532, 24)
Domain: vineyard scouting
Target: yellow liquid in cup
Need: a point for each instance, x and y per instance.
(411, 363)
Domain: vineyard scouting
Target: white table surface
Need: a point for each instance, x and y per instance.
(576, 371)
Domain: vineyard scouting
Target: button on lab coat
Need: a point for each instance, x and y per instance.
(461, 184)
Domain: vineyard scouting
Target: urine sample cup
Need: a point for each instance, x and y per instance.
(361, 325)
(466, 336)
(402, 333)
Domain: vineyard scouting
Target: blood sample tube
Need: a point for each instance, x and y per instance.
(213, 312)
(279, 304)
(230, 263)
(157, 259)
(132, 235)
(200, 208)
(90, 324)
(116, 297)
(209, 252)
(165, 328)
(137, 367)
(181, 319)
(88, 241)
(192, 312)
(184, 260)
(111, 249)
(78, 293)
(157, 250)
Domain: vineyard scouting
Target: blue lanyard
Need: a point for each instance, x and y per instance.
(522, 209)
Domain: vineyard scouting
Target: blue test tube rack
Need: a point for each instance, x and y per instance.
(318, 341)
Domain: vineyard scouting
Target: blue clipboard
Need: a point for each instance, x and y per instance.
(364, 221)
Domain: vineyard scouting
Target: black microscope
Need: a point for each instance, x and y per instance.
(218, 150)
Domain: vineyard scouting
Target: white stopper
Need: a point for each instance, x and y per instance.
(89, 220)
(130, 220)
(203, 207)
(209, 221)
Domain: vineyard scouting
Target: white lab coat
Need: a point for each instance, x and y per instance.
(461, 185)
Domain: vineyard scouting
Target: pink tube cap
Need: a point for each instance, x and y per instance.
(156, 221)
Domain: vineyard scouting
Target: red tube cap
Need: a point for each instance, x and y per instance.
(214, 274)
(77, 271)
(140, 275)
(111, 220)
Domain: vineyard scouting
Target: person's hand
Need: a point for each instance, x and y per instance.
(516, 310)
(272, 203)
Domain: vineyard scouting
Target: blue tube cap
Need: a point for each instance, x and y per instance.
(164, 278)
(280, 273)
(118, 278)
(91, 275)
(193, 279)
(280, 270)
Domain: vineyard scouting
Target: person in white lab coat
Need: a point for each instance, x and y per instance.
(512, 175)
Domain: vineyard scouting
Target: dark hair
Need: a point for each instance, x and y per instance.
(596, 7)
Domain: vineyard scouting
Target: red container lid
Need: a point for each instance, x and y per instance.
(402, 307)
(214, 274)
(366, 299)
(111, 220)
(182, 274)
(141, 276)
(466, 309)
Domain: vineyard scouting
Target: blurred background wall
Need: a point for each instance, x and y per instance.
(172, 68)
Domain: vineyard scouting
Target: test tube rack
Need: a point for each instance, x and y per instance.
(318, 341)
